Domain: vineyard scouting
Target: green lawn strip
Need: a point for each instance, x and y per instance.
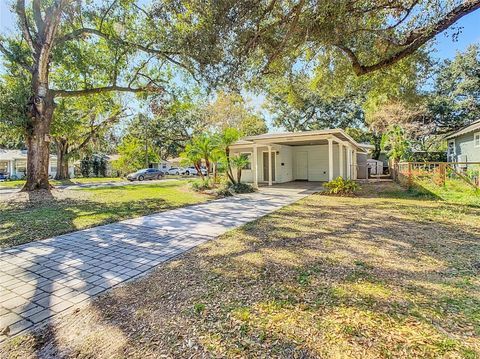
(386, 274)
(454, 191)
(73, 181)
(25, 221)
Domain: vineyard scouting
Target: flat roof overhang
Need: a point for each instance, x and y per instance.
(300, 139)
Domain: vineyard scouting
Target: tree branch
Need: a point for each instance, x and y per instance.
(23, 23)
(94, 128)
(96, 90)
(37, 16)
(147, 49)
(414, 40)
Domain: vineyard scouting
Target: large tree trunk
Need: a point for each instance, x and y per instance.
(41, 109)
(62, 159)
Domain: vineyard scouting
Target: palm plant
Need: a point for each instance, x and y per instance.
(216, 156)
(204, 144)
(192, 155)
(239, 162)
(224, 141)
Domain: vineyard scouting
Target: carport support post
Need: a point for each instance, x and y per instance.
(349, 162)
(354, 164)
(269, 165)
(340, 159)
(330, 159)
(255, 166)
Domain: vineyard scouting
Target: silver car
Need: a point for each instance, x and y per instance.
(145, 174)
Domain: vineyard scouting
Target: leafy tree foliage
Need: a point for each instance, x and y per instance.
(176, 119)
(274, 36)
(455, 101)
(396, 143)
(71, 49)
(78, 123)
(298, 105)
(13, 104)
(229, 110)
(133, 154)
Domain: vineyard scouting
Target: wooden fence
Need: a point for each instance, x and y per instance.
(406, 172)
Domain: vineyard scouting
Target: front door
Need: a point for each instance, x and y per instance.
(265, 166)
(301, 165)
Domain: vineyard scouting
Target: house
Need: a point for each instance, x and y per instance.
(162, 165)
(464, 144)
(299, 156)
(13, 164)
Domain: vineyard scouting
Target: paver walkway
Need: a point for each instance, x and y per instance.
(45, 278)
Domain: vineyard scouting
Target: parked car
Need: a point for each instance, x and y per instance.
(147, 173)
(193, 171)
(175, 171)
(3, 177)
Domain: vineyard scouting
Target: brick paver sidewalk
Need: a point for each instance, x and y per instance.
(42, 279)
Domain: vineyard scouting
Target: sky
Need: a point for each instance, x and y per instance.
(444, 48)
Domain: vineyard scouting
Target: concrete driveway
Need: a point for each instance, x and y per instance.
(43, 279)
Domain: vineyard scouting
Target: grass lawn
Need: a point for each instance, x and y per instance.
(20, 183)
(384, 275)
(23, 220)
(454, 191)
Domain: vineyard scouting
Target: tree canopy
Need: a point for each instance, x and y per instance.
(455, 100)
(265, 36)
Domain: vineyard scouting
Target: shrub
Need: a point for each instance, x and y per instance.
(341, 186)
(223, 191)
(241, 188)
(202, 185)
(229, 189)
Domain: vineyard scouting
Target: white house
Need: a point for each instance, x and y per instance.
(13, 163)
(299, 156)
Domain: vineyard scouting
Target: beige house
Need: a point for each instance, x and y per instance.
(299, 156)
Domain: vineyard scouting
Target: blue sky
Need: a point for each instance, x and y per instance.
(444, 47)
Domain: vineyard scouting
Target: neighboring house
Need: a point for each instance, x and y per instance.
(299, 156)
(464, 144)
(13, 163)
(163, 165)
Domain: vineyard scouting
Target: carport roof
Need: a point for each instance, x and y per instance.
(299, 138)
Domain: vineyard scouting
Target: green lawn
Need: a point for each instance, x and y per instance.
(454, 191)
(20, 183)
(386, 274)
(23, 220)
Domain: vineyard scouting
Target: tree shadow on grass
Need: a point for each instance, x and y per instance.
(315, 279)
(45, 216)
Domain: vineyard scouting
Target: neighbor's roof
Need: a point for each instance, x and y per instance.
(472, 127)
(338, 132)
(9, 155)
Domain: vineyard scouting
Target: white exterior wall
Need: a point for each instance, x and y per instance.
(318, 161)
(285, 168)
(283, 173)
(284, 164)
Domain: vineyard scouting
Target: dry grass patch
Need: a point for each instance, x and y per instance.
(383, 275)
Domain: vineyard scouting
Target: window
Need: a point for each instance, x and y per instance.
(476, 139)
(249, 156)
